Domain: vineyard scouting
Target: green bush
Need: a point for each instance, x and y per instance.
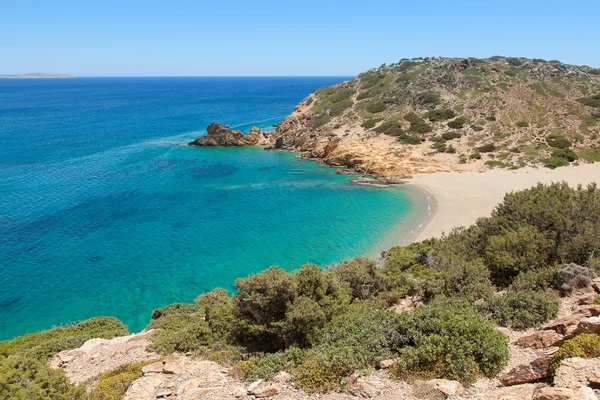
(582, 346)
(401, 259)
(458, 123)
(339, 107)
(514, 61)
(30, 379)
(429, 98)
(592, 101)
(591, 155)
(218, 312)
(42, 345)
(567, 154)
(417, 124)
(522, 124)
(181, 333)
(475, 156)
(439, 147)
(477, 128)
(365, 94)
(522, 309)
(495, 163)
(369, 79)
(573, 276)
(555, 162)
(487, 148)
(412, 139)
(376, 107)
(440, 115)
(266, 366)
(558, 141)
(451, 135)
(319, 120)
(342, 94)
(449, 339)
(177, 308)
(369, 123)
(113, 384)
(535, 280)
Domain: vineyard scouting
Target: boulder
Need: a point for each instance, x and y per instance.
(587, 325)
(527, 372)
(364, 386)
(553, 393)
(540, 339)
(562, 324)
(261, 389)
(576, 372)
(385, 364)
(519, 392)
(437, 389)
(584, 393)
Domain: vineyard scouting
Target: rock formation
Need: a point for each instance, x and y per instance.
(223, 136)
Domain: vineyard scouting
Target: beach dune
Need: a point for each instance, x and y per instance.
(458, 199)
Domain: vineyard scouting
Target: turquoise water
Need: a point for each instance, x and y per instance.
(104, 210)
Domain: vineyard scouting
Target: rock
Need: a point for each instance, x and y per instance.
(519, 392)
(589, 311)
(576, 372)
(171, 367)
(587, 325)
(239, 392)
(366, 387)
(540, 339)
(385, 364)
(262, 389)
(283, 378)
(155, 368)
(560, 325)
(553, 393)
(596, 285)
(163, 393)
(584, 393)
(222, 136)
(527, 372)
(588, 299)
(437, 389)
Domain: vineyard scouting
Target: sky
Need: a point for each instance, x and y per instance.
(284, 38)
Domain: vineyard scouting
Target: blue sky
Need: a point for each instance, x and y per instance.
(302, 37)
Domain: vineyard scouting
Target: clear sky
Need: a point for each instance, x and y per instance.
(300, 37)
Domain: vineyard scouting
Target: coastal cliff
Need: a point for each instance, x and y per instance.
(435, 114)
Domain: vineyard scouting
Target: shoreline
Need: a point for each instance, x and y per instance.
(460, 198)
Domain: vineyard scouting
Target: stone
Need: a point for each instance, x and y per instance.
(519, 392)
(366, 387)
(584, 393)
(540, 339)
(283, 378)
(576, 372)
(553, 393)
(589, 311)
(560, 325)
(155, 368)
(587, 299)
(239, 392)
(587, 325)
(437, 389)
(163, 393)
(527, 372)
(171, 367)
(596, 286)
(261, 389)
(385, 364)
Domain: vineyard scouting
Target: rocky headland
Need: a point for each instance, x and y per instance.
(219, 135)
(429, 115)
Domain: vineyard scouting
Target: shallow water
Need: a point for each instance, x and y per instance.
(104, 210)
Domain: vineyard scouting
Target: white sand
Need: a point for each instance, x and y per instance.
(461, 198)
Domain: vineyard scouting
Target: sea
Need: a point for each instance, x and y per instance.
(105, 210)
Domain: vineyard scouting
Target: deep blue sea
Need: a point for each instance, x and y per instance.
(104, 210)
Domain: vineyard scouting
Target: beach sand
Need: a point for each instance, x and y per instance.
(458, 199)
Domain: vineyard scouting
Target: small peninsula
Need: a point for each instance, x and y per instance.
(37, 75)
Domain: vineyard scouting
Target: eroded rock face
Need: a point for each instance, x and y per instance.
(223, 136)
(528, 372)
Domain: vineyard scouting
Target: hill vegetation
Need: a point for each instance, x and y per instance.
(436, 114)
(321, 325)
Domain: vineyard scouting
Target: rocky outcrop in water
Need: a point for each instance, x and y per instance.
(223, 136)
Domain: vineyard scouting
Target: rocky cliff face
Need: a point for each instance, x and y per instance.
(439, 114)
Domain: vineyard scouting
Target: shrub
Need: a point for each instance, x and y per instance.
(44, 344)
(535, 280)
(477, 128)
(567, 154)
(522, 309)
(514, 61)
(449, 339)
(365, 278)
(429, 98)
(400, 259)
(369, 123)
(181, 333)
(319, 120)
(369, 79)
(451, 149)
(487, 148)
(363, 95)
(440, 115)
(458, 123)
(339, 107)
(555, 162)
(439, 147)
(342, 94)
(494, 164)
(591, 155)
(177, 308)
(417, 124)
(412, 139)
(558, 141)
(113, 384)
(475, 156)
(376, 107)
(592, 101)
(265, 366)
(573, 276)
(583, 346)
(27, 378)
(451, 135)
(218, 312)
(522, 124)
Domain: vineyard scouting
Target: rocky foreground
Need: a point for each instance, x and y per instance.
(527, 376)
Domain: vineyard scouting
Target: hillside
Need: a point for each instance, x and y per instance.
(451, 114)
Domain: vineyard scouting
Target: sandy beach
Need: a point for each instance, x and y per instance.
(459, 198)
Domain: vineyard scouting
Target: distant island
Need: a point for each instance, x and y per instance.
(36, 75)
